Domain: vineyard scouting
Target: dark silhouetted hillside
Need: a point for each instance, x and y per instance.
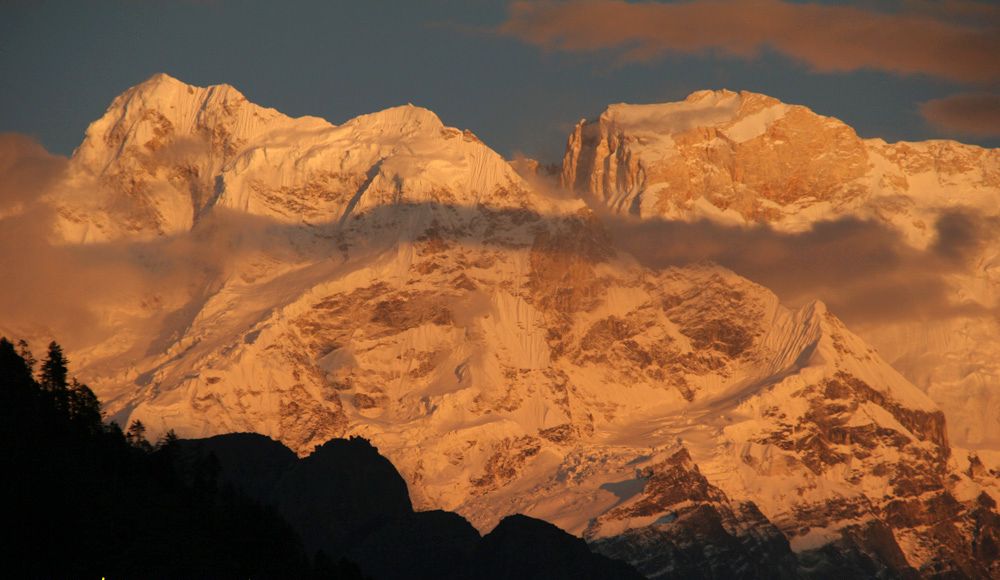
(348, 501)
(89, 499)
(85, 499)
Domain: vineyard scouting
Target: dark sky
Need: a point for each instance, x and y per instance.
(62, 63)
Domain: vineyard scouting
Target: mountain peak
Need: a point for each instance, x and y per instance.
(722, 94)
(168, 95)
(745, 157)
(403, 118)
(703, 93)
(164, 84)
(165, 152)
(162, 110)
(701, 109)
(158, 79)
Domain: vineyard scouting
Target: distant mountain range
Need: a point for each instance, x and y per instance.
(396, 279)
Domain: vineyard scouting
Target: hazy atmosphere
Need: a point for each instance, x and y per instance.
(589, 289)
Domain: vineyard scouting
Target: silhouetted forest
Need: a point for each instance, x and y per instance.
(87, 499)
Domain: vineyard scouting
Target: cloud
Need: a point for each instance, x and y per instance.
(955, 9)
(941, 42)
(967, 114)
(863, 270)
(27, 170)
(82, 294)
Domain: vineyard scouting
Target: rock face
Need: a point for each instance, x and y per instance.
(748, 159)
(698, 532)
(502, 354)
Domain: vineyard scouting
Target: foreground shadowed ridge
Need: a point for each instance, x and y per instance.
(93, 500)
(90, 500)
(349, 502)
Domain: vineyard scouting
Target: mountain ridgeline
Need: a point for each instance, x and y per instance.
(392, 283)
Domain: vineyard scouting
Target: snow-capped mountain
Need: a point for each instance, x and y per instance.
(166, 152)
(492, 342)
(747, 159)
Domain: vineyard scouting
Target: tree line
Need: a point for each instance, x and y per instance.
(86, 498)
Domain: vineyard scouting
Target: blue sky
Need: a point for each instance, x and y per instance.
(63, 62)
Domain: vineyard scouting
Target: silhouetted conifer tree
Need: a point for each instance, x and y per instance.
(136, 436)
(14, 369)
(167, 441)
(84, 408)
(54, 369)
(25, 352)
(115, 431)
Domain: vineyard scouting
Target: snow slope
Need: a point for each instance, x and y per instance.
(489, 339)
